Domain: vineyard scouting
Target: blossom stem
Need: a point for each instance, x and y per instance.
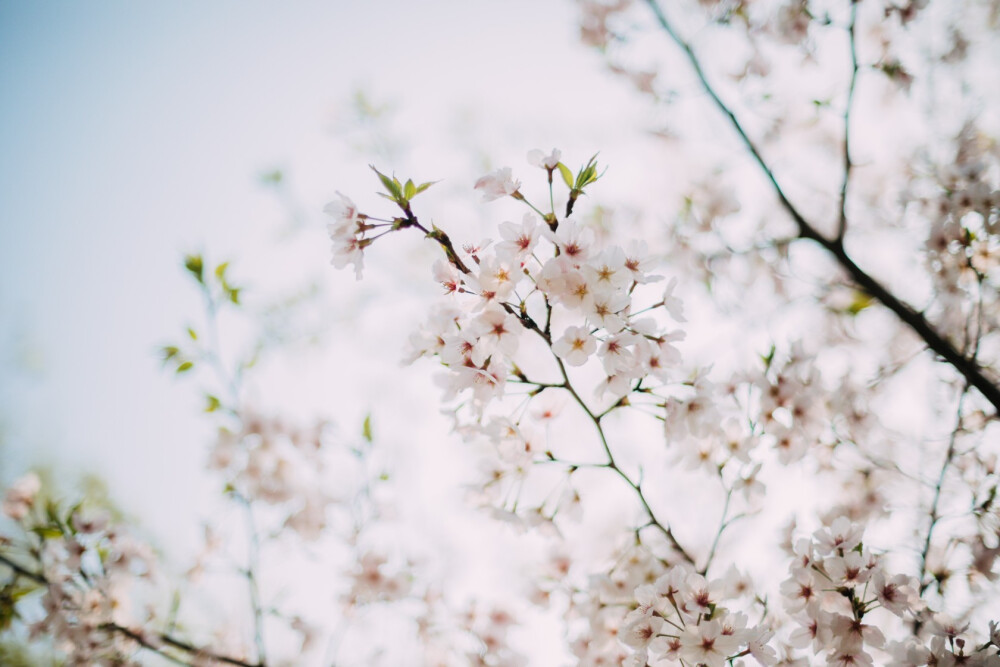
(533, 208)
(552, 200)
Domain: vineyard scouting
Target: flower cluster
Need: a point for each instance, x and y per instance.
(347, 232)
(681, 618)
(87, 570)
(270, 461)
(645, 611)
(537, 274)
(836, 589)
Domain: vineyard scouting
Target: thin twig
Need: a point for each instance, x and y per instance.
(842, 222)
(612, 464)
(934, 512)
(253, 566)
(723, 524)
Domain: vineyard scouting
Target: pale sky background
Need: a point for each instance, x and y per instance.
(133, 132)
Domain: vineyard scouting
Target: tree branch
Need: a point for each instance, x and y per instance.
(969, 368)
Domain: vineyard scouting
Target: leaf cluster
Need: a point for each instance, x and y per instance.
(586, 175)
(400, 193)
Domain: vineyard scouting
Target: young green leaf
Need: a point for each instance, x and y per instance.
(392, 185)
(422, 187)
(196, 266)
(566, 174)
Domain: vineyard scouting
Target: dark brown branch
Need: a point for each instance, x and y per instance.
(969, 368)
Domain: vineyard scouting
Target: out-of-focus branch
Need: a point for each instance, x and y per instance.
(153, 641)
(966, 366)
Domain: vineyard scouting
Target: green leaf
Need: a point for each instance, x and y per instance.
(185, 367)
(588, 173)
(409, 190)
(366, 428)
(422, 187)
(196, 266)
(392, 186)
(566, 174)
